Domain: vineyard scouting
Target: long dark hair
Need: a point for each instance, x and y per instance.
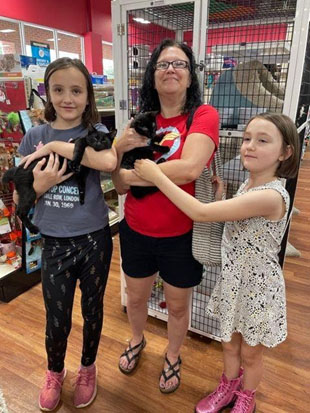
(149, 100)
(90, 115)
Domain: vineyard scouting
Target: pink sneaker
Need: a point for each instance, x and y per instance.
(86, 386)
(222, 396)
(50, 392)
(245, 402)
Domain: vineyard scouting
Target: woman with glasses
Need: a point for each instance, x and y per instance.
(155, 236)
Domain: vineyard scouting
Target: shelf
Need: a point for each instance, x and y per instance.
(113, 221)
(105, 110)
(107, 185)
(105, 191)
(17, 283)
(6, 269)
(113, 217)
(108, 190)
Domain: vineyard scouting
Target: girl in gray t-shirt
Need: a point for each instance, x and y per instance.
(77, 241)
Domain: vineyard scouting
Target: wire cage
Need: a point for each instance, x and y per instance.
(157, 303)
(201, 322)
(233, 175)
(247, 58)
(247, 54)
(146, 28)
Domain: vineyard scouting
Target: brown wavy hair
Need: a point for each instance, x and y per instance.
(90, 115)
(289, 167)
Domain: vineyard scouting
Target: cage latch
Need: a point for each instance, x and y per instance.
(121, 29)
(123, 104)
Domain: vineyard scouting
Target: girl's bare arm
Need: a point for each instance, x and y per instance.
(197, 150)
(104, 160)
(267, 203)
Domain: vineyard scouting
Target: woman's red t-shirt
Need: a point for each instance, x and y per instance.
(155, 215)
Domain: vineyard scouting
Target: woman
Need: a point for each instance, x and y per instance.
(155, 235)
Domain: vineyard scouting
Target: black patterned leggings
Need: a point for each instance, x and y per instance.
(64, 261)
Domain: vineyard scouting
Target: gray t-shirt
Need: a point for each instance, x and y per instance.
(58, 213)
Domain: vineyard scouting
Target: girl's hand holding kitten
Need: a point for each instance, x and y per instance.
(43, 151)
(147, 170)
(50, 176)
(129, 140)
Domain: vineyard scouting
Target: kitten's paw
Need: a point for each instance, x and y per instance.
(73, 167)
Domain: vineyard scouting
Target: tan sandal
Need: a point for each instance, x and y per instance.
(173, 370)
(134, 356)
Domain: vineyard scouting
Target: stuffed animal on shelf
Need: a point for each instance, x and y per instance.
(13, 122)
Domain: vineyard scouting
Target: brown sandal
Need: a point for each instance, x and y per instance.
(171, 371)
(134, 356)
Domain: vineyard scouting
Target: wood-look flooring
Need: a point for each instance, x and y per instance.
(284, 388)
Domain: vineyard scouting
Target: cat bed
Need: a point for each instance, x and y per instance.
(254, 81)
(246, 90)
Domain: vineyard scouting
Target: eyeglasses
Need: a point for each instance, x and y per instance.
(176, 64)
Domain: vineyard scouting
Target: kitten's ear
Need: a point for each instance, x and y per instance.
(91, 129)
(113, 133)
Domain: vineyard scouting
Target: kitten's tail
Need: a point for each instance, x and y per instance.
(9, 175)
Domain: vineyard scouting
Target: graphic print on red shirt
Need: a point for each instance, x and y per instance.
(155, 215)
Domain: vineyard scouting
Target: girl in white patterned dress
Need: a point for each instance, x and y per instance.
(249, 297)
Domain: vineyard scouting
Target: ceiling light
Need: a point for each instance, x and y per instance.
(7, 31)
(141, 20)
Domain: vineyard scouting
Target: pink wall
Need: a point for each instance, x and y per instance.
(93, 52)
(150, 34)
(248, 34)
(88, 18)
(92, 19)
(71, 16)
(101, 18)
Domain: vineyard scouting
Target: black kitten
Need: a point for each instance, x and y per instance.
(23, 178)
(144, 124)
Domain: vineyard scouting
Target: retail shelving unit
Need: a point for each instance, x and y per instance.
(21, 255)
(252, 56)
(110, 194)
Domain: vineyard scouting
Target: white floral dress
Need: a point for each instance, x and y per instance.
(249, 296)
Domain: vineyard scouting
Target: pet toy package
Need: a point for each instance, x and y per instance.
(33, 251)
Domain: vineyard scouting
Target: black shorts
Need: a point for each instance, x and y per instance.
(143, 256)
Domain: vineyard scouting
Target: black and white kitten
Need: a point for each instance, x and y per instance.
(23, 178)
(144, 124)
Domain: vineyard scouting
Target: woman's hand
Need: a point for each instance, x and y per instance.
(218, 187)
(15, 197)
(147, 170)
(43, 151)
(129, 139)
(51, 175)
